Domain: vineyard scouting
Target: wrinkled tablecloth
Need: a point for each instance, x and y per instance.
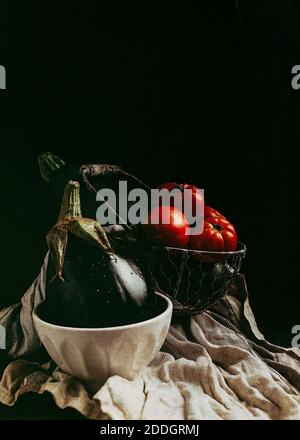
(216, 365)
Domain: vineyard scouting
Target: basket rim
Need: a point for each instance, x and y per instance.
(241, 251)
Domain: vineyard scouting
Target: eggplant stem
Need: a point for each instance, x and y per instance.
(70, 220)
(88, 171)
(71, 206)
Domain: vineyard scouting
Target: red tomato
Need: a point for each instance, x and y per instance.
(211, 212)
(172, 228)
(218, 235)
(196, 196)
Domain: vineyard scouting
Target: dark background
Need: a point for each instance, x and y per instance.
(189, 91)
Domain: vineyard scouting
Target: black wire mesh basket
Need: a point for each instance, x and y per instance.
(194, 279)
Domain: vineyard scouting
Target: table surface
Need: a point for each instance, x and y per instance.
(33, 406)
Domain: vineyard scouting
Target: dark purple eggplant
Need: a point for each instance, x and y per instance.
(91, 282)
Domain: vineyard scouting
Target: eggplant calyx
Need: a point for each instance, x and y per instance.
(70, 220)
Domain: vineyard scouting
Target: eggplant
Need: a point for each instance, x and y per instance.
(91, 282)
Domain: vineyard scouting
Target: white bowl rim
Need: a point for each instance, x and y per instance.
(104, 329)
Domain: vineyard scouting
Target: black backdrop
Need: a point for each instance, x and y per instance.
(190, 91)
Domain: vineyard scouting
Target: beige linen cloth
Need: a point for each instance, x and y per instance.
(216, 365)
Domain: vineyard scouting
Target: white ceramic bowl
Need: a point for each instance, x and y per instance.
(94, 354)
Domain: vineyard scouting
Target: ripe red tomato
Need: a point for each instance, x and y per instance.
(196, 196)
(211, 212)
(218, 235)
(172, 228)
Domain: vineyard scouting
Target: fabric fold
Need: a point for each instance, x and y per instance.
(215, 365)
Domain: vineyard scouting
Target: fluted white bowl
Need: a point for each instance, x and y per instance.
(94, 354)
